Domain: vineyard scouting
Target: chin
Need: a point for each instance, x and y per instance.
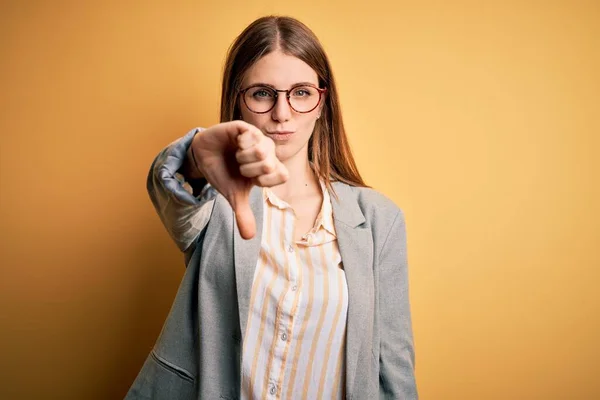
(283, 153)
(287, 151)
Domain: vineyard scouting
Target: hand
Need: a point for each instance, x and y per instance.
(233, 157)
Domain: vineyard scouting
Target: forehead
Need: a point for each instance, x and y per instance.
(280, 70)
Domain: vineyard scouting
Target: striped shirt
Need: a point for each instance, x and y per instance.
(295, 335)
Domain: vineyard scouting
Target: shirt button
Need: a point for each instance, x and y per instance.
(291, 248)
(283, 337)
(273, 390)
(294, 288)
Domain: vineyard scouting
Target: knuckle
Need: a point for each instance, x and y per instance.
(244, 170)
(260, 153)
(261, 180)
(239, 156)
(284, 174)
(268, 167)
(241, 143)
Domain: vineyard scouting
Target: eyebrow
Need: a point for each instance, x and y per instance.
(293, 85)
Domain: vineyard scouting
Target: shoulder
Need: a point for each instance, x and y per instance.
(370, 201)
(381, 214)
(376, 202)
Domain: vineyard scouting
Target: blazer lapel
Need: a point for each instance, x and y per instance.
(245, 255)
(356, 248)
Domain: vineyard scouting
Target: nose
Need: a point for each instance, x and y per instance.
(281, 112)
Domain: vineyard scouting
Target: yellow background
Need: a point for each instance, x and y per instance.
(480, 119)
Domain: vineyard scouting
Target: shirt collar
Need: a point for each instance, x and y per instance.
(325, 217)
(272, 198)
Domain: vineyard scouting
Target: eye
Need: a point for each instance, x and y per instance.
(262, 92)
(303, 91)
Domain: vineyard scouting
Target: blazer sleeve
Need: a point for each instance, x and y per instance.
(397, 356)
(183, 214)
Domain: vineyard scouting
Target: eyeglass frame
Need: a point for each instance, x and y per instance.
(242, 92)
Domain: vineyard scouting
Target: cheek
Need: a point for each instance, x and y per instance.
(308, 124)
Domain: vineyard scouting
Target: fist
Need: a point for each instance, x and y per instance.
(233, 157)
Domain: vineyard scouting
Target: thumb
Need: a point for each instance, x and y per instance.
(243, 214)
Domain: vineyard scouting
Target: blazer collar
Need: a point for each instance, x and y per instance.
(345, 206)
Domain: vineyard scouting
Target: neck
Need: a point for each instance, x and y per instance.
(302, 179)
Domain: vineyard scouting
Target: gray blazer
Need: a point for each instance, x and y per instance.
(198, 352)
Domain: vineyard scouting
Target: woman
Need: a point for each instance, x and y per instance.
(296, 284)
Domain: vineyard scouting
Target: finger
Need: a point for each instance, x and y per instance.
(258, 168)
(253, 154)
(273, 179)
(243, 215)
(249, 138)
(232, 129)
